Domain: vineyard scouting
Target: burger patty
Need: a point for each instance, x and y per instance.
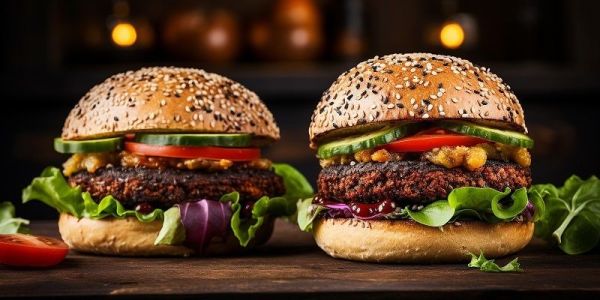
(163, 188)
(413, 182)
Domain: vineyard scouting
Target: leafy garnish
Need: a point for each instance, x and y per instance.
(307, 212)
(296, 185)
(52, 189)
(435, 214)
(245, 227)
(488, 265)
(489, 204)
(172, 231)
(8, 222)
(572, 214)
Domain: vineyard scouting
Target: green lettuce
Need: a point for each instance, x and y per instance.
(172, 231)
(484, 204)
(52, 189)
(296, 187)
(307, 212)
(572, 215)
(245, 228)
(435, 214)
(8, 222)
(488, 265)
(488, 204)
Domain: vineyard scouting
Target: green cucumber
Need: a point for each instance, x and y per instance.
(497, 135)
(356, 143)
(86, 146)
(196, 139)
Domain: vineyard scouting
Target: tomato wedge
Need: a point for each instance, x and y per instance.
(236, 154)
(31, 251)
(426, 142)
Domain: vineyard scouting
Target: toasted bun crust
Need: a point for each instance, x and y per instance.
(413, 87)
(168, 99)
(409, 242)
(130, 237)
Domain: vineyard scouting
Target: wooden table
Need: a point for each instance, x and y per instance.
(291, 266)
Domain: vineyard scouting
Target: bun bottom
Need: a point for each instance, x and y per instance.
(403, 241)
(130, 237)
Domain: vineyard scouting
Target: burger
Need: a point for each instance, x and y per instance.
(167, 161)
(424, 159)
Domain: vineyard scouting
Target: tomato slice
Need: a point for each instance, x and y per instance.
(31, 251)
(237, 154)
(426, 142)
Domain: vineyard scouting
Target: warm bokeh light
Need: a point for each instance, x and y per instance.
(124, 34)
(452, 35)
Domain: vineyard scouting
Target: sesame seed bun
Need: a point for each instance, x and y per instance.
(170, 100)
(130, 237)
(413, 87)
(402, 241)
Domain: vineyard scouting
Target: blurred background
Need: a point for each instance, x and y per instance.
(289, 52)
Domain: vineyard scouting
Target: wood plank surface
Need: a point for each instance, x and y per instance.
(291, 266)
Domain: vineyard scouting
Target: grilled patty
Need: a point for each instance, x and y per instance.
(413, 182)
(163, 188)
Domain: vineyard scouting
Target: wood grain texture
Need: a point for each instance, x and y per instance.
(291, 266)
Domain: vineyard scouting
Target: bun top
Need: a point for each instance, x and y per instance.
(414, 87)
(170, 100)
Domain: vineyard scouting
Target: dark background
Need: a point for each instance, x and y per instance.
(54, 51)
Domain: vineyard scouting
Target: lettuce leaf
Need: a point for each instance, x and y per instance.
(435, 214)
(307, 212)
(52, 189)
(488, 203)
(245, 227)
(172, 231)
(484, 204)
(8, 222)
(488, 265)
(296, 185)
(572, 214)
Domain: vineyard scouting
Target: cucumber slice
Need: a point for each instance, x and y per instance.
(497, 135)
(192, 139)
(354, 144)
(85, 146)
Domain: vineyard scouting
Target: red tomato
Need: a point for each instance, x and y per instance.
(426, 142)
(31, 251)
(193, 152)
